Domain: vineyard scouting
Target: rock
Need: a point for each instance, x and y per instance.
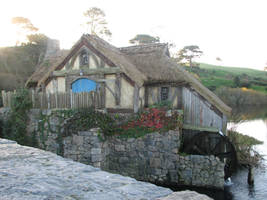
(186, 195)
(29, 173)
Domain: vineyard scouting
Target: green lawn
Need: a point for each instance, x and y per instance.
(213, 77)
(222, 70)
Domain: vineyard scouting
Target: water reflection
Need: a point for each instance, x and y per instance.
(252, 122)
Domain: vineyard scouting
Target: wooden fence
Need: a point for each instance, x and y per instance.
(58, 100)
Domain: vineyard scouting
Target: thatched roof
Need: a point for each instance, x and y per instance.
(144, 64)
(146, 48)
(117, 57)
(158, 67)
(109, 51)
(46, 66)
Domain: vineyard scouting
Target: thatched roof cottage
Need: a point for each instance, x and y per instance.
(129, 79)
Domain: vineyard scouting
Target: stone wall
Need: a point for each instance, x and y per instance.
(154, 157)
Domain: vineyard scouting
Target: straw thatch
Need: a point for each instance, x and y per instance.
(143, 64)
(158, 67)
(45, 67)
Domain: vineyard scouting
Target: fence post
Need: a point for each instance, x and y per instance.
(33, 99)
(71, 100)
(3, 98)
(48, 100)
(56, 94)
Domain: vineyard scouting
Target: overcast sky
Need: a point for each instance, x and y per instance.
(234, 30)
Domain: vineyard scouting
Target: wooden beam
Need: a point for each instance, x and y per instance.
(128, 79)
(118, 89)
(180, 98)
(146, 96)
(200, 128)
(165, 84)
(63, 73)
(136, 99)
(119, 110)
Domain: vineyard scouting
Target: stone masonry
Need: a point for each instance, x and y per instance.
(154, 157)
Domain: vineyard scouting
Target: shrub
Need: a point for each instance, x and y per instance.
(152, 119)
(85, 119)
(244, 147)
(241, 96)
(15, 127)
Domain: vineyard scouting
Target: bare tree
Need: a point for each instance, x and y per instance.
(24, 27)
(96, 23)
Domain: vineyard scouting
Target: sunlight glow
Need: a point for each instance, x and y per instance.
(235, 31)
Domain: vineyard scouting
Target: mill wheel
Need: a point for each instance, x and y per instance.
(211, 143)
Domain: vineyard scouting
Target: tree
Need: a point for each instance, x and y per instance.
(237, 81)
(24, 26)
(188, 53)
(96, 23)
(219, 59)
(39, 41)
(140, 39)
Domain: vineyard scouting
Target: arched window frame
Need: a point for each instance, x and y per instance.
(84, 58)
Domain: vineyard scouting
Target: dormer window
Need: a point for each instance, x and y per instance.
(84, 58)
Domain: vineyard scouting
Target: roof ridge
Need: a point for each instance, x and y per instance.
(144, 45)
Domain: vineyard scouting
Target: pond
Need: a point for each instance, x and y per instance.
(252, 122)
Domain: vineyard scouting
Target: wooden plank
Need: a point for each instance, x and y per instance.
(146, 96)
(153, 96)
(200, 128)
(63, 73)
(3, 98)
(118, 89)
(159, 94)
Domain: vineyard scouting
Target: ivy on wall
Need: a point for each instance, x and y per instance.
(15, 126)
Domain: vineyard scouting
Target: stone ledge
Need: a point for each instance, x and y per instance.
(29, 173)
(186, 195)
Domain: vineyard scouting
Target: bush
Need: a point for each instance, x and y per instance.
(241, 96)
(85, 119)
(15, 127)
(152, 119)
(212, 87)
(244, 147)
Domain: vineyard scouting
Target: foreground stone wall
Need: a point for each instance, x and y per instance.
(32, 174)
(154, 157)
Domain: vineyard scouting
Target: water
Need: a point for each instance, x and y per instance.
(240, 189)
(252, 122)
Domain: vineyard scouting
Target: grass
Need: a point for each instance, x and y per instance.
(236, 71)
(214, 77)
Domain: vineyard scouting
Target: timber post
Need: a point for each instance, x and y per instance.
(136, 99)
(250, 175)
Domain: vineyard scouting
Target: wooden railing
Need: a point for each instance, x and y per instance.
(58, 100)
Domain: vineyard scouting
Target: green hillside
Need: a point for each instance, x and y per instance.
(235, 70)
(214, 77)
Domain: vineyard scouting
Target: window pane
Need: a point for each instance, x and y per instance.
(164, 93)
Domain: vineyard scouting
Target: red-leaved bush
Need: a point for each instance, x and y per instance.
(151, 118)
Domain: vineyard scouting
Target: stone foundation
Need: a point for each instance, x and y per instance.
(154, 157)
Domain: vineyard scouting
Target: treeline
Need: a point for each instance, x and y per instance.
(19, 62)
(241, 96)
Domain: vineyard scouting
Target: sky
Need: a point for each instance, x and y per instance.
(233, 30)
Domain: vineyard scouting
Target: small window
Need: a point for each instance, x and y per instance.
(83, 58)
(164, 93)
